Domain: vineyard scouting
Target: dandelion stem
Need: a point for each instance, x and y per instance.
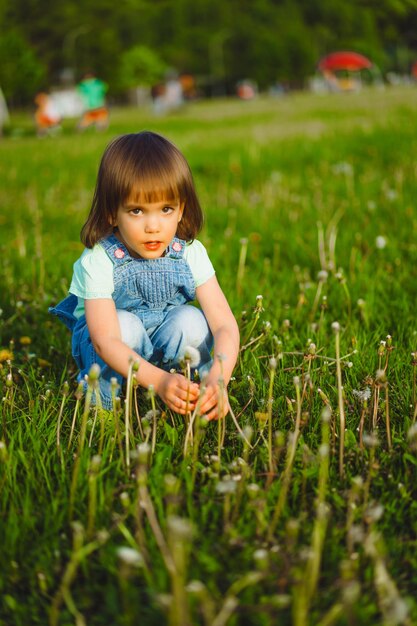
(341, 402)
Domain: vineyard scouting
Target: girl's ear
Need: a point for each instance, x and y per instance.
(112, 221)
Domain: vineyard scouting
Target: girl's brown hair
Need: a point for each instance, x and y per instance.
(149, 168)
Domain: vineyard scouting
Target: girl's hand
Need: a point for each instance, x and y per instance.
(212, 404)
(175, 390)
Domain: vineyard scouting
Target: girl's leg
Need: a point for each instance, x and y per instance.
(133, 334)
(183, 326)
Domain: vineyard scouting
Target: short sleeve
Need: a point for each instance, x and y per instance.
(197, 258)
(93, 275)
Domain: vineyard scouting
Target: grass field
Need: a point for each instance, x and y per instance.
(304, 514)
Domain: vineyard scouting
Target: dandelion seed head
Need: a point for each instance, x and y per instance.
(196, 587)
(374, 512)
(226, 486)
(380, 242)
(130, 556)
(94, 372)
(322, 276)
(192, 356)
(370, 440)
(180, 527)
(362, 395)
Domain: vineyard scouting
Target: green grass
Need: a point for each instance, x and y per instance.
(281, 532)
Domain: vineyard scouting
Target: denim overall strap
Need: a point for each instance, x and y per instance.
(176, 249)
(116, 250)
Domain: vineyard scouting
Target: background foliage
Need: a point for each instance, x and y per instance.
(221, 42)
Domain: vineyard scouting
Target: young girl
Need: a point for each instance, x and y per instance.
(141, 266)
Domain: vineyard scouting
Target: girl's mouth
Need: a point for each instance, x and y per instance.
(152, 245)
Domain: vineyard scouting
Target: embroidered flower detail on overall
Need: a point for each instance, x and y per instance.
(119, 254)
(177, 246)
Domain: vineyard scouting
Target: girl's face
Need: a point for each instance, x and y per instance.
(147, 228)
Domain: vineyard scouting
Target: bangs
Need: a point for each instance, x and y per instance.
(153, 189)
(156, 174)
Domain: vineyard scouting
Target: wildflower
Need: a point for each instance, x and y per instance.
(192, 356)
(380, 242)
(370, 440)
(363, 395)
(3, 451)
(44, 363)
(94, 372)
(258, 306)
(151, 392)
(130, 556)
(412, 437)
(380, 376)
(253, 490)
(124, 499)
(391, 194)
(144, 450)
(322, 276)
(151, 414)
(25, 341)
(356, 534)
(336, 327)
(323, 451)
(226, 485)
(6, 355)
(180, 527)
(196, 587)
(343, 168)
(260, 557)
(247, 432)
(273, 363)
(374, 512)
(312, 349)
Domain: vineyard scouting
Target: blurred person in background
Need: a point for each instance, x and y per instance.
(47, 116)
(93, 93)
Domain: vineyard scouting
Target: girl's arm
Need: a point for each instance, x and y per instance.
(104, 329)
(226, 344)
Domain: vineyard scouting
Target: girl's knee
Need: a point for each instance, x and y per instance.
(192, 324)
(132, 330)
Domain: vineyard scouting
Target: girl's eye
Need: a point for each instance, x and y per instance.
(167, 209)
(136, 211)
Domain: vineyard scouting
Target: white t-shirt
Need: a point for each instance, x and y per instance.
(93, 272)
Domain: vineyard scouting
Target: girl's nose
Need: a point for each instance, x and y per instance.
(152, 224)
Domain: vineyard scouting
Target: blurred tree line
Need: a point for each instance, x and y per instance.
(129, 42)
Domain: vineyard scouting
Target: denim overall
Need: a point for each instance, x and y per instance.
(150, 297)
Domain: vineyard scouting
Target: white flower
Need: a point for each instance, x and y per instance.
(380, 242)
(226, 485)
(130, 556)
(191, 355)
(362, 394)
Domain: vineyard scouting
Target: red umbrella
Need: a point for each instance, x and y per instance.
(344, 61)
